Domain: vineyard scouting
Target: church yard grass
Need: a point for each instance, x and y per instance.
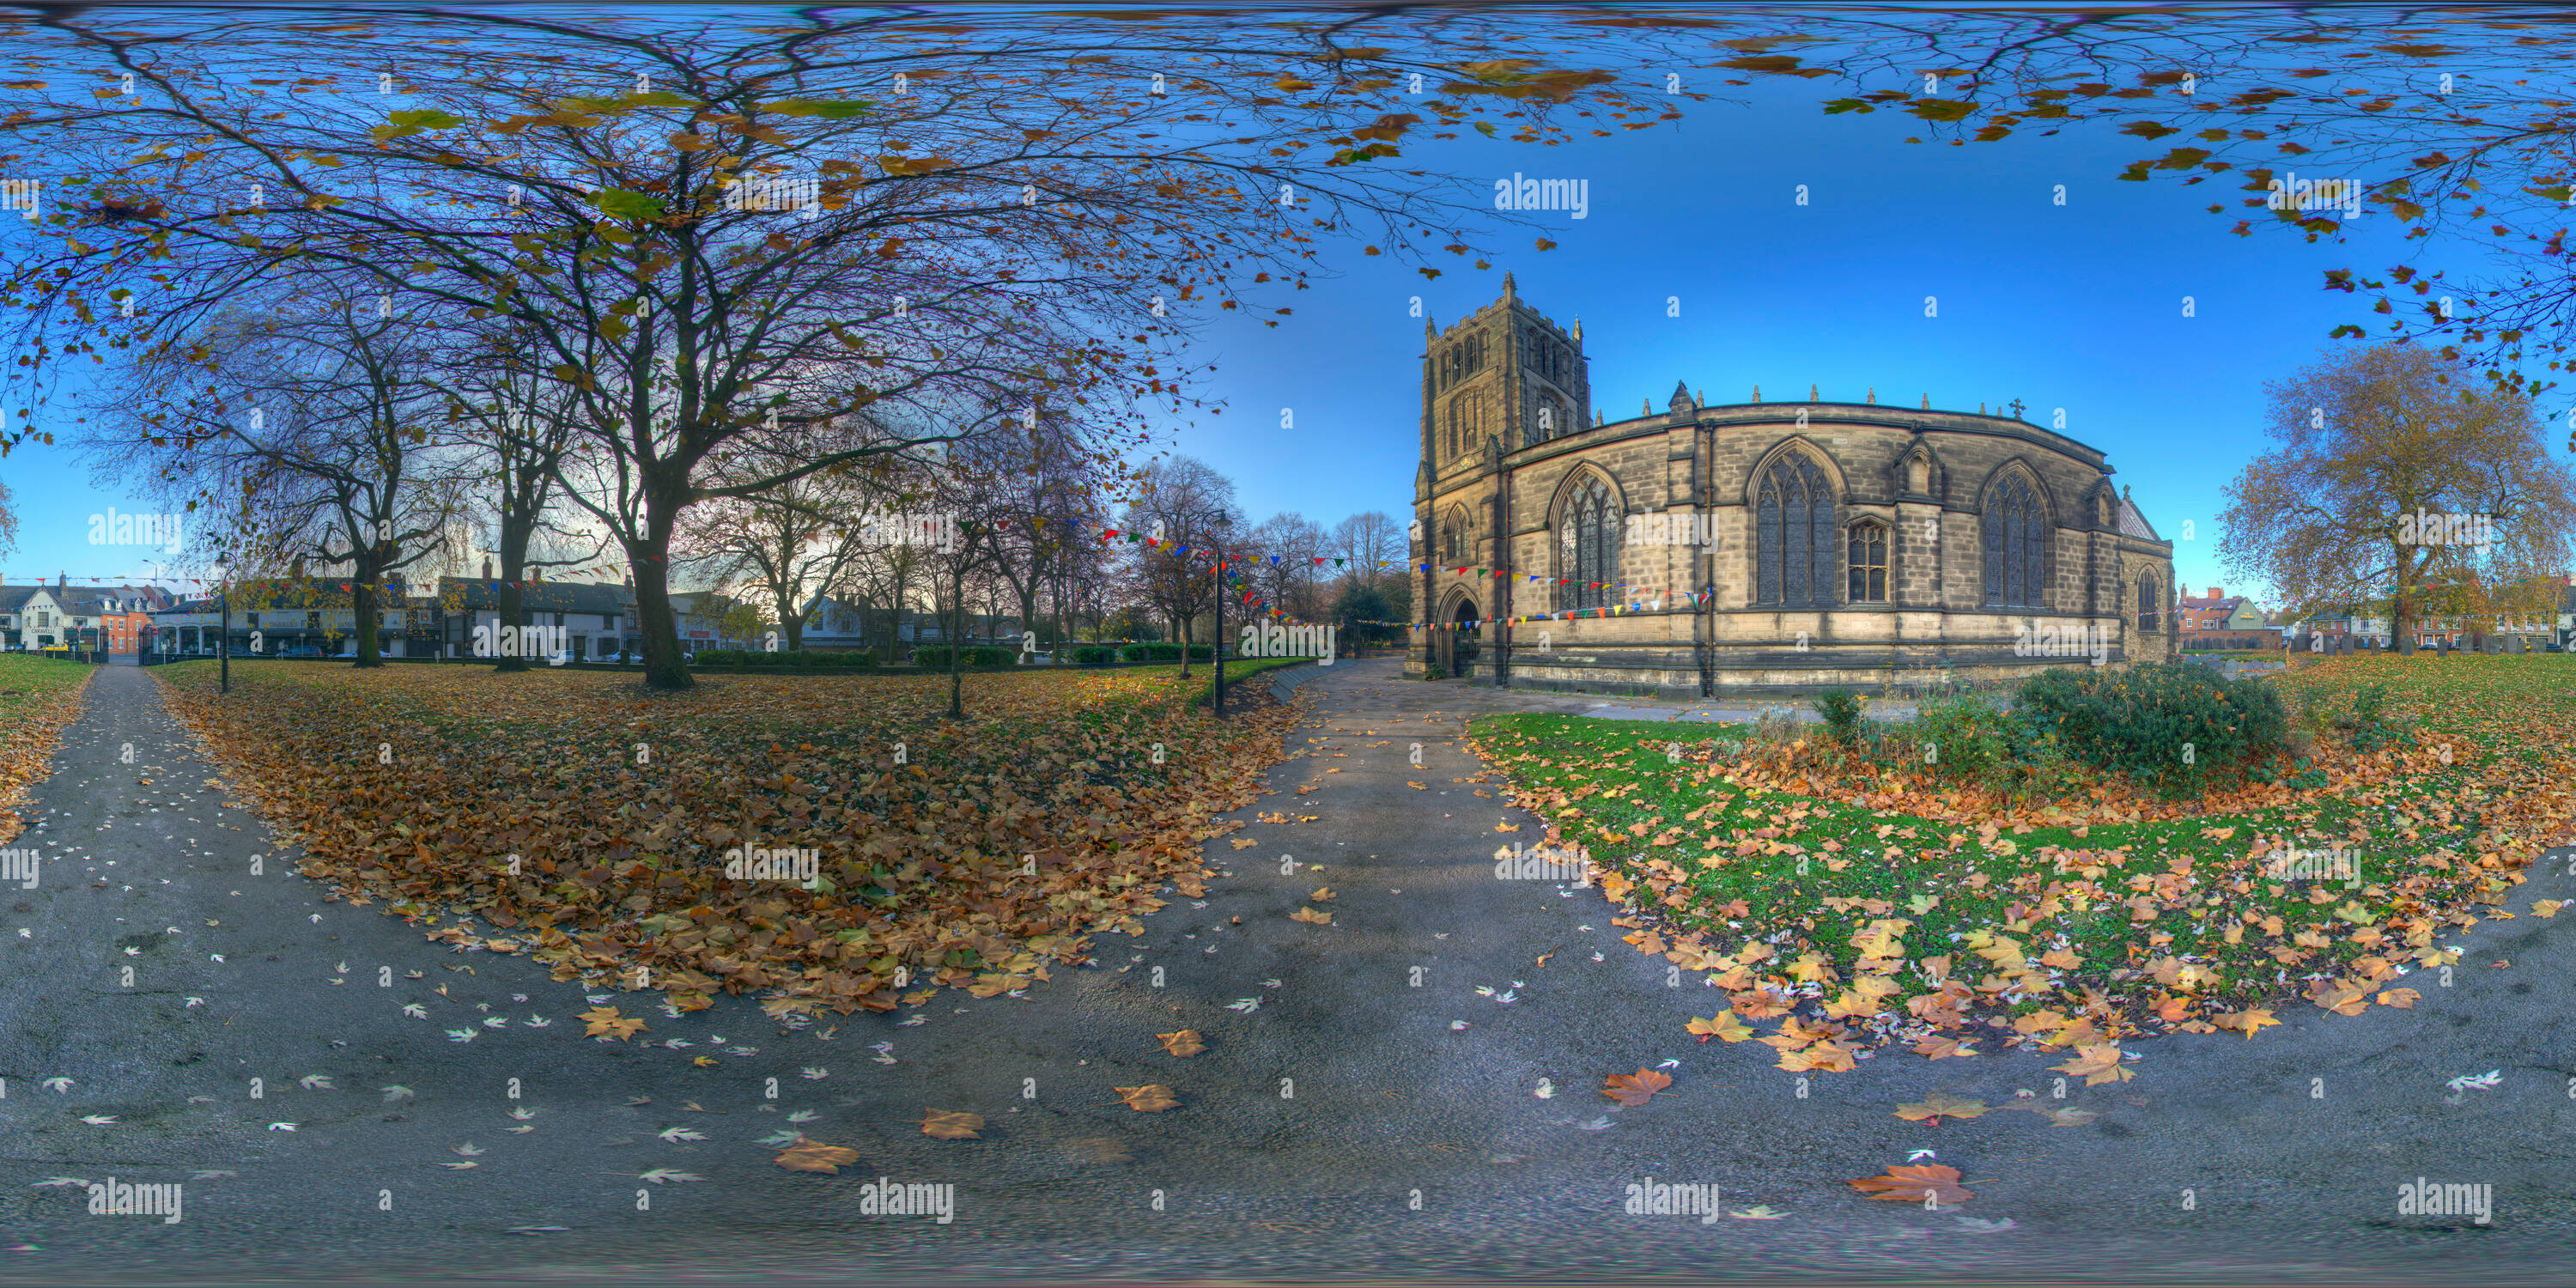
(2073, 923)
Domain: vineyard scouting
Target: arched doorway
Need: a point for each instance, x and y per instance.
(1458, 645)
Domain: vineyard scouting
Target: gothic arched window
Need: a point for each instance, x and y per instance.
(1868, 548)
(1794, 535)
(2147, 605)
(1453, 541)
(2016, 546)
(1588, 548)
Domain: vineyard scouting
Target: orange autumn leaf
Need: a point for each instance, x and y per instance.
(815, 1156)
(1939, 1105)
(1914, 1184)
(1186, 1042)
(1311, 917)
(1634, 1089)
(2097, 1064)
(1152, 1098)
(945, 1125)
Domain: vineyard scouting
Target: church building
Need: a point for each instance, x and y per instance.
(1756, 547)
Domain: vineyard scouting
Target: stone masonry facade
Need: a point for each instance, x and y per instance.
(1513, 479)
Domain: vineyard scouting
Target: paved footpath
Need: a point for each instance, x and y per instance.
(1364, 1108)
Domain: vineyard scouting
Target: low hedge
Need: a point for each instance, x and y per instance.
(974, 655)
(790, 658)
(1163, 652)
(1095, 655)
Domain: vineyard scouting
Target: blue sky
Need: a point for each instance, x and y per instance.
(2077, 306)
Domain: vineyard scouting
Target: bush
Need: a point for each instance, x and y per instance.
(936, 655)
(1162, 653)
(2168, 723)
(1095, 655)
(1841, 709)
(1964, 736)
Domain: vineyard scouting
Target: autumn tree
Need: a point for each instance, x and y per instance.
(704, 223)
(2367, 443)
(1183, 511)
(308, 430)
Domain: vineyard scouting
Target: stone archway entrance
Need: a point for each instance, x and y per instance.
(1459, 645)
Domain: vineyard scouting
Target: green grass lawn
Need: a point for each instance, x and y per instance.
(2128, 914)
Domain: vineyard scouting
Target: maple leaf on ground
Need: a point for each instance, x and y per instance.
(1311, 917)
(2403, 999)
(1244, 843)
(1828, 1057)
(2097, 1064)
(604, 1021)
(942, 1124)
(1939, 1105)
(1913, 1184)
(1634, 1089)
(1321, 894)
(815, 1156)
(1153, 1098)
(2547, 908)
(1940, 1048)
(1184, 1043)
(2340, 996)
(2248, 1022)
(1722, 1025)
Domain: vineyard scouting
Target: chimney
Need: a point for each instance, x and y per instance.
(2213, 592)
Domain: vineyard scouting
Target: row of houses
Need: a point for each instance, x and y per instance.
(2218, 620)
(315, 618)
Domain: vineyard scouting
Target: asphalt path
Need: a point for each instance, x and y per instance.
(1367, 1105)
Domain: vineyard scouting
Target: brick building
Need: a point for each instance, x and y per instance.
(1837, 543)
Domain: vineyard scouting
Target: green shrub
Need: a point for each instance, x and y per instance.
(1964, 735)
(1095, 655)
(1162, 653)
(936, 655)
(1841, 709)
(2172, 724)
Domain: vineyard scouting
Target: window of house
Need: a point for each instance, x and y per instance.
(2147, 603)
(1588, 548)
(1868, 559)
(1794, 535)
(2016, 546)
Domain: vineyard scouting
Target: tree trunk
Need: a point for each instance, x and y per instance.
(362, 612)
(664, 668)
(956, 677)
(513, 608)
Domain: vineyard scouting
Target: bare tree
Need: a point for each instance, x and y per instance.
(1184, 510)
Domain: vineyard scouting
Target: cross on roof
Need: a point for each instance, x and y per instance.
(2016, 406)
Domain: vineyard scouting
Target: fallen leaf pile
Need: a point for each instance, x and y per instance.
(621, 864)
(1859, 906)
(39, 696)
